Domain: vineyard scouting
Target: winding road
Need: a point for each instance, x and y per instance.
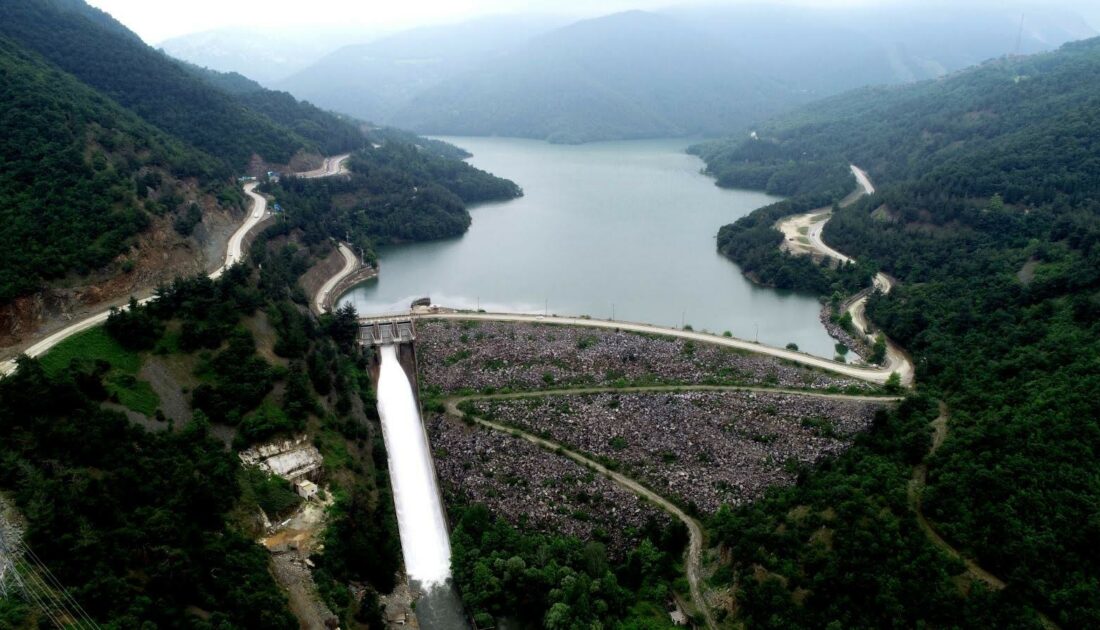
(802, 235)
(693, 561)
(233, 254)
(351, 263)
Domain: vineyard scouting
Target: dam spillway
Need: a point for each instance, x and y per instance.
(422, 526)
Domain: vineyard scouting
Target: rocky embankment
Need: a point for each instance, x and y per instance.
(482, 356)
(701, 448)
(531, 487)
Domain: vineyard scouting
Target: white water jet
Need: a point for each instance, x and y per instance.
(424, 540)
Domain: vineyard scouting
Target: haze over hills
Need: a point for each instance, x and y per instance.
(266, 55)
(627, 75)
(374, 80)
(826, 51)
(675, 72)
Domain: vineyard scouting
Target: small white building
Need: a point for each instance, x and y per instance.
(305, 489)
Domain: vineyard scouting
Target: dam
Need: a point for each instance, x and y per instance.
(421, 519)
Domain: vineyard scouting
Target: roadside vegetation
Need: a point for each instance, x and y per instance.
(395, 192)
(557, 581)
(182, 507)
(986, 213)
(105, 139)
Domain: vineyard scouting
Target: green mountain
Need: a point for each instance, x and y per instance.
(331, 133)
(72, 160)
(103, 136)
(626, 75)
(104, 55)
(987, 213)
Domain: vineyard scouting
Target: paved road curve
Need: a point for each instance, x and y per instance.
(351, 263)
(870, 373)
(233, 254)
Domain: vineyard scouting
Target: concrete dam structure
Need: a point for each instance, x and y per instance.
(421, 519)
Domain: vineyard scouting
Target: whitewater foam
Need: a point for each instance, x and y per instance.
(423, 529)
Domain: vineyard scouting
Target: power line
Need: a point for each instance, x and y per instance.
(57, 585)
(38, 586)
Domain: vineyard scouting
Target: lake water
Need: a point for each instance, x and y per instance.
(616, 228)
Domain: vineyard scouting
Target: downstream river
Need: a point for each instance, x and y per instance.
(623, 228)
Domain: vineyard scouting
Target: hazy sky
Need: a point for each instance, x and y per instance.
(157, 20)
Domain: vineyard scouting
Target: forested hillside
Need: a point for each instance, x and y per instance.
(988, 212)
(77, 174)
(102, 54)
(332, 134)
(395, 192)
(133, 494)
(102, 136)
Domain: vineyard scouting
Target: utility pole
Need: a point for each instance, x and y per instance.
(546, 307)
(1020, 34)
(757, 332)
(612, 311)
(683, 317)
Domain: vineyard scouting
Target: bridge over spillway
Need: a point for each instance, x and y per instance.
(386, 332)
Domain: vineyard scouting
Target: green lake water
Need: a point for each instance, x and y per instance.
(623, 228)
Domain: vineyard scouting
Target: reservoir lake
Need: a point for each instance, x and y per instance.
(612, 228)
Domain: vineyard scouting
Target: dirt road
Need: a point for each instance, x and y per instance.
(657, 389)
(802, 235)
(694, 557)
(336, 165)
(915, 492)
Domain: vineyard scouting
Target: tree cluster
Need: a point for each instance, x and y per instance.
(987, 212)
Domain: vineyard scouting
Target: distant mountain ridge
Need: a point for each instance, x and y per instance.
(106, 140)
(684, 71)
(108, 57)
(627, 75)
(372, 81)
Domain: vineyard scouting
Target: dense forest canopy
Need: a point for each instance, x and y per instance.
(74, 165)
(395, 192)
(102, 136)
(156, 524)
(988, 212)
(103, 54)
